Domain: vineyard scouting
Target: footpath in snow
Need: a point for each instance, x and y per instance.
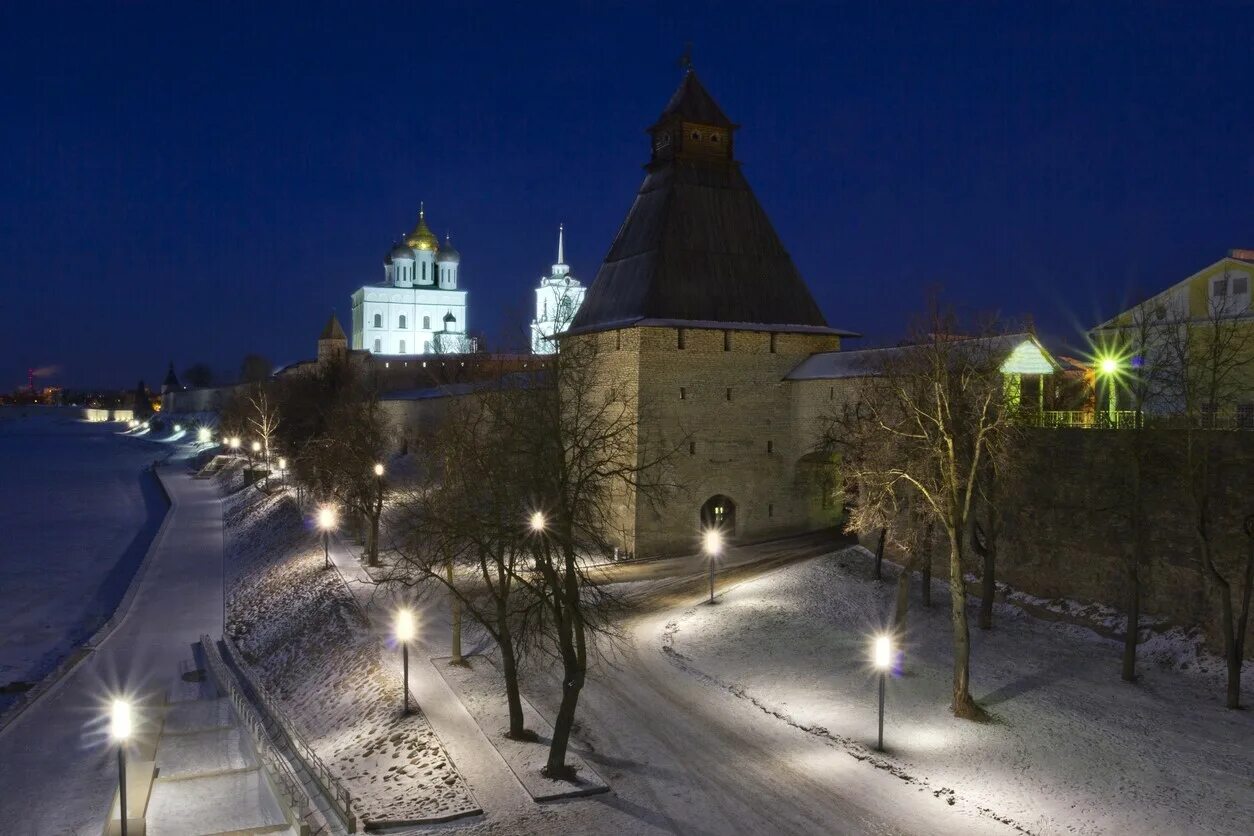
(78, 508)
(302, 634)
(1071, 748)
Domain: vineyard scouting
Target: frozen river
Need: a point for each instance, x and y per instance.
(78, 509)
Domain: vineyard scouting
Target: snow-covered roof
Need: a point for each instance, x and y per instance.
(1022, 349)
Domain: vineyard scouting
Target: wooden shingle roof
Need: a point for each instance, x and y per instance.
(697, 246)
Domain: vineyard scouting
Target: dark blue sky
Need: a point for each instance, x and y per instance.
(200, 180)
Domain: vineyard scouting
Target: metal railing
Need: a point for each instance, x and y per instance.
(331, 787)
(289, 787)
(1127, 419)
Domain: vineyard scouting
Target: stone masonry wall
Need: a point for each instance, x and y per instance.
(723, 408)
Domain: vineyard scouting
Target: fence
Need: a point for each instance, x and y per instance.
(288, 786)
(335, 792)
(1129, 419)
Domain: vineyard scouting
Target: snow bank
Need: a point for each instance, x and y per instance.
(1072, 748)
(302, 634)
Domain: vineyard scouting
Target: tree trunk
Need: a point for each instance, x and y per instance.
(879, 554)
(927, 565)
(572, 684)
(509, 669)
(963, 705)
(574, 666)
(455, 605)
(1132, 632)
(901, 610)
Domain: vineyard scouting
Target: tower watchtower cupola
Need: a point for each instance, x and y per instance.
(693, 126)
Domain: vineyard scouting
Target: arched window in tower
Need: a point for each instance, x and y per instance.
(402, 347)
(403, 321)
(424, 271)
(378, 346)
(426, 323)
(378, 320)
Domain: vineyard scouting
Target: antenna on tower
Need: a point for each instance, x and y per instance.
(561, 250)
(685, 59)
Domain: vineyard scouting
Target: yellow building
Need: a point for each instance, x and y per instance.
(1210, 308)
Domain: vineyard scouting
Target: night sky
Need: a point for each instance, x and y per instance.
(195, 181)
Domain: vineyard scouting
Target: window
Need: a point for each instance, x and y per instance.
(729, 394)
(696, 134)
(679, 337)
(727, 340)
(402, 321)
(772, 343)
(402, 346)
(1219, 287)
(831, 393)
(618, 340)
(1240, 285)
(1245, 416)
(692, 448)
(770, 509)
(424, 271)
(770, 447)
(378, 346)
(378, 320)
(683, 393)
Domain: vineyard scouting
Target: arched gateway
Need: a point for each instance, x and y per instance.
(719, 512)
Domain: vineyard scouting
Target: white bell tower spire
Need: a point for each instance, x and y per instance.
(561, 268)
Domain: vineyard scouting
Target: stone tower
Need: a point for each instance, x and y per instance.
(332, 343)
(698, 314)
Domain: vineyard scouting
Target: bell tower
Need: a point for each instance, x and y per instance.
(692, 127)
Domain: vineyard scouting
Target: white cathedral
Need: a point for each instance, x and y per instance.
(557, 299)
(417, 308)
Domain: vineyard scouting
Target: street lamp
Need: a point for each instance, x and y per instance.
(234, 443)
(538, 522)
(883, 661)
(405, 632)
(326, 521)
(378, 470)
(712, 545)
(203, 435)
(120, 731)
(178, 428)
(1109, 368)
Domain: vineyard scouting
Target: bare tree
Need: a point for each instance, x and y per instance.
(930, 418)
(580, 431)
(263, 418)
(461, 527)
(1209, 360)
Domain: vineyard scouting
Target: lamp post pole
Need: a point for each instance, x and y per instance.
(326, 550)
(122, 814)
(880, 744)
(712, 543)
(883, 661)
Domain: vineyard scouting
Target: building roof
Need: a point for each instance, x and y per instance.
(1022, 351)
(691, 102)
(333, 331)
(697, 246)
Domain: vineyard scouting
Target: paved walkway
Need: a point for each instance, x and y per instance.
(57, 770)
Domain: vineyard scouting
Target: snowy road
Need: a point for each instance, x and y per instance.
(686, 757)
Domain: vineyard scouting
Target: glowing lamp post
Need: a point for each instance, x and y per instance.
(234, 443)
(883, 661)
(326, 521)
(404, 633)
(178, 428)
(1108, 368)
(203, 435)
(538, 522)
(120, 731)
(712, 545)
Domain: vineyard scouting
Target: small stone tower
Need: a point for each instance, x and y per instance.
(332, 344)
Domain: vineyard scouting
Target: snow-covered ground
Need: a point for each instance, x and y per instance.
(301, 632)
(78, 510)
(1072, 749)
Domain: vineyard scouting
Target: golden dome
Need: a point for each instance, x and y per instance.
(422, 238)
